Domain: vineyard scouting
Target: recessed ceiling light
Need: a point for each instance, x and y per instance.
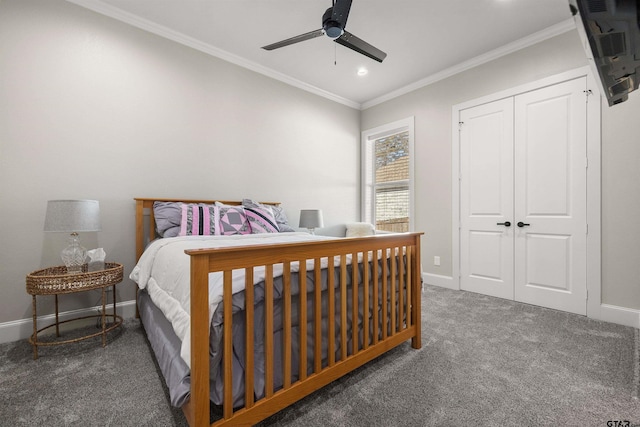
(362, 71)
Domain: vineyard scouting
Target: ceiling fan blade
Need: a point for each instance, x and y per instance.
(360, 46)
(341, 12)
(296, 39)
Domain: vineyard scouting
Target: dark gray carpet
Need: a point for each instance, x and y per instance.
(484, 362)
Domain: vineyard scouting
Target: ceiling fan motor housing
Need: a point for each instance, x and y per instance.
(332, 29)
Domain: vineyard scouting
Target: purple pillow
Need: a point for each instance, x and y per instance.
(167, 217)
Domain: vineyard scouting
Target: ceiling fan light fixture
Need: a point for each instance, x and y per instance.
(333, 30)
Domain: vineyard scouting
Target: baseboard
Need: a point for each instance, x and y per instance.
(439, 280)
(619, 315)
(22, 329)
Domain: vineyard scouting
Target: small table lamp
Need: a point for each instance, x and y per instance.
(311, 219)
(73, 216)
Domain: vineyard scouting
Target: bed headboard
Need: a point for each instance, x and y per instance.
(144, 208)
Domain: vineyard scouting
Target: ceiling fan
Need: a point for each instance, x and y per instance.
(334, 20)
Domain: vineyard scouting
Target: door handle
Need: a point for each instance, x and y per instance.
(506, 223)
(522, 224)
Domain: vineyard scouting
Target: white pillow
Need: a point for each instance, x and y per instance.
(360, 229)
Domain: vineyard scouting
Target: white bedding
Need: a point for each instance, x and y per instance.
(163, 269)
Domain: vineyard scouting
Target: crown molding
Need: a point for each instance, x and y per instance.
(547, 33)
(178, 37)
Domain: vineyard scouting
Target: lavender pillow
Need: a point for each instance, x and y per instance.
(168, 216)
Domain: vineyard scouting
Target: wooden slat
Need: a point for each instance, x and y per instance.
(249, 338)
(365, 300)
(317, 315)
(331, 284)
(302, 291)
(355, 329)
(376, 298)
(416, 341)
(139, 228)
(384, 301)
(268, 331)
(409, 288)
(392, 284)
(286, 318)
(343, 307)
(401, 289)
(199, 407)
(227, 352)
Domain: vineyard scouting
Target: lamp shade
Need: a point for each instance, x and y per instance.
(72, 216)
(311, 218)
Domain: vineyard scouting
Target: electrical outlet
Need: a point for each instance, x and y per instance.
(436, 260)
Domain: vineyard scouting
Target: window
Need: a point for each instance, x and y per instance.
(387, 176)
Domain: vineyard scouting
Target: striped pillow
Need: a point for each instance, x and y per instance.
(199, 220)
(278, 213)
(262, 220)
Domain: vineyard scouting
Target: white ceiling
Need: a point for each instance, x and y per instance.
(424, 39)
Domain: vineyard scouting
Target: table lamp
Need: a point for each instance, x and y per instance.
(73, 216)
(311, 219)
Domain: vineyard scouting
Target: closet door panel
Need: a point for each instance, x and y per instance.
(544, 154)
(486, 182)
(550, 197)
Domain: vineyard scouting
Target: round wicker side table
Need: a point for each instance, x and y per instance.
(56, 281)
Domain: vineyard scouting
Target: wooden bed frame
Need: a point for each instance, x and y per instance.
(404, 303)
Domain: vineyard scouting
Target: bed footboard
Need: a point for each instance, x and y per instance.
(385, 294)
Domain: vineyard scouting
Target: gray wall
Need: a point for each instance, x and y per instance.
(432, 108)
(621, 203)
(93, 108)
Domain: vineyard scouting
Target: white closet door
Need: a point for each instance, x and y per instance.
(523, 162)
(486, 205)
(550, 197)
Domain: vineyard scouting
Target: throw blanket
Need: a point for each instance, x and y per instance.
(163, 269)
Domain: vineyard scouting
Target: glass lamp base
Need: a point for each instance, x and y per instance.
(74, 255)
